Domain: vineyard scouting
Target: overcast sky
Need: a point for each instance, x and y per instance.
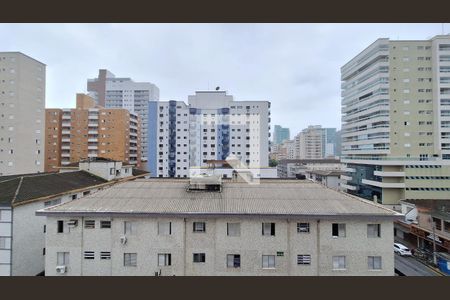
(295, 66)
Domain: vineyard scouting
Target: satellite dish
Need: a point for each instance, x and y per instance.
(217, 88)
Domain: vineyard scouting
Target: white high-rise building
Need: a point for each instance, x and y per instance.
(315, 142)
(211, 127)
(114, 92)
(22, 114)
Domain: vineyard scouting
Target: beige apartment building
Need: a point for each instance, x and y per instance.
(192, 227)
(91, 131)
(396, 121)
(22, 114)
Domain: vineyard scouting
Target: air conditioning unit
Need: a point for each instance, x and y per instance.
(123, 240)
(72, 223)
(61, 269)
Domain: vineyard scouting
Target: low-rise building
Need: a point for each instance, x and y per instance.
(22, 233)
(330, 179)
(215, 227)
(289, 168)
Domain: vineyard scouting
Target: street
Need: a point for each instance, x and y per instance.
(410, 266)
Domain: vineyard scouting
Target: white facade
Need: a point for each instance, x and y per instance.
(5, 240)
(108, 170)
(101, 252)
(22, 114)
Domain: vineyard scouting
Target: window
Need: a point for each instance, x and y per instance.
(74, 197)
(130, 259)
(89, 255)
(303, 227)
(338, 230)
(233, 260)
(268, 261)
(164, 228)
(164, 259)
(338, 262)
(303, 259)
(373, 230)
(199, 227)
(199, 257)
(62, 258)
(437, 223)
(127, 227)
(5, 243)
(446, 226)
(268, 229)
(111, 171)
(105, 255)
(374, 262)
(89, 224)
(105, 224)
(233, 229)
(60, 226)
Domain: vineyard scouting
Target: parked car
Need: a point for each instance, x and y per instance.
(402, 249)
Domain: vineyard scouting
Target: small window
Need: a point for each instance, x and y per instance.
(89, 255)
(164, 259)
(339, 263)
(233, 229)
(62, 258)
(268, 229)
(127, 227)
(60, 226)
(199, 227)
(130, 259)
(373, 230)
(374, 262)
(303, 259)
(111, 171)
(105, 224)
(338, 230)
(105, 255)
(268, 261)
(233, 260)
(89, 224)
(303, 227)
(199, 257)
(74, 196)
(164, 228)
(86, 193)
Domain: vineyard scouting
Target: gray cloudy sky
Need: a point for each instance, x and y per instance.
(295, 66)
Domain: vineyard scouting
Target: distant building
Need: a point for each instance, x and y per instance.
(22, 114)
(280, 134)
(90, 131)
(122, 92)
(22, 233)
(289, 168)
(207, 226)
(330, 179)
(315, 142)
(212, 126)
(396, 121)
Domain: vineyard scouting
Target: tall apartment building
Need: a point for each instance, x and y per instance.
(211, 127)
(207, 227)
(396, 120)
(22, 113)
(89, 131)
(280, 134)
(119, 92)
(315, 142)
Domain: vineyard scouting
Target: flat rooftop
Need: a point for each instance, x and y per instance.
(272, 197)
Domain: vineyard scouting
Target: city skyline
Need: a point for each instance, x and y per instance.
(210, 55)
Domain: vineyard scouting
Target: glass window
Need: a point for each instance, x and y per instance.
(339, 263)
(130, 259)
(268, 261)
(164, 259)
(374, 262)
(233, 229)
(373, 230)
(233, 260)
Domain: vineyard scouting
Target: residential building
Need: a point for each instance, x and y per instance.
(120, 92)
(315, 142)
(330, 179)
(338, 144)
(205, 226)
(211, 127)
(22, 233)
(22, 113)
(91, 131)
(290, 168)
(280, 134)
(396, 120)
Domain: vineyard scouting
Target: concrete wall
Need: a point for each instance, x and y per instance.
(5, 233)
(251, 245)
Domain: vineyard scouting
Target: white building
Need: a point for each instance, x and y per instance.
(22, 114)
(211, 127)
(289, 168)
(22, 233)
(315, 142)
(114, 92)
(172, 227)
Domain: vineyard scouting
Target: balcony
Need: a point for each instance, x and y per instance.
(92, 147)
(346, 177)
(348, 187)
(93, 132)
(389, 174)
(92, 139)
(65, 132)
(392, 185)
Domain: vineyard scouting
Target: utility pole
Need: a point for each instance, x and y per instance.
(434, 242)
